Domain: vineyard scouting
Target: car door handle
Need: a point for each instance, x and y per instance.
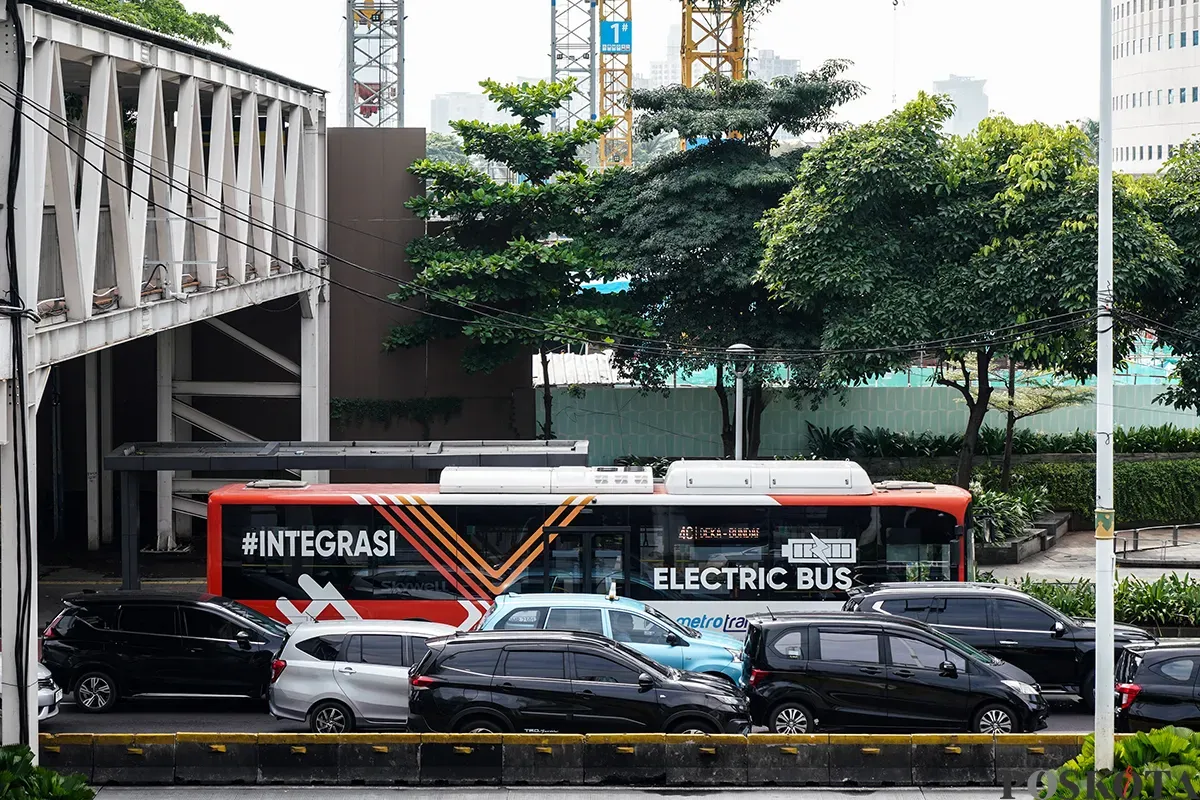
(588, 692)
(506, 685)
(903, 673)
(1008, 643)
(870, 670)
(346, 670)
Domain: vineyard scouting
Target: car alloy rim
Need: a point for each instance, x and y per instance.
(481, 730)
(94, 693)
(694, 732)
(791, 720)
(995, 721)
(330, 720)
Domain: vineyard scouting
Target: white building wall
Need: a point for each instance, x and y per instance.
(1156, 80)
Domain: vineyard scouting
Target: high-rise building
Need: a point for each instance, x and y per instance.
(1156, 81)
(767, 66)
(451, 106)
(970, 103)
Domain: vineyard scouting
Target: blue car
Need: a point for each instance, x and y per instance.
(630, 622)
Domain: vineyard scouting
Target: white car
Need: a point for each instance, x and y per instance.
(49, 694)
(348, 675)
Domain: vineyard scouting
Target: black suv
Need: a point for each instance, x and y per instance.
(1156, 686)
(110, 645)
(837, 671)
(562, 681)
(1057, 650)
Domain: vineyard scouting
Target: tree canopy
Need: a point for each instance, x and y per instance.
(896, 233)
(682, 229)
(444, 147)
(164, 16)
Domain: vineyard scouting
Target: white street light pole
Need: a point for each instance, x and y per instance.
(1105, 516)
(740, 354)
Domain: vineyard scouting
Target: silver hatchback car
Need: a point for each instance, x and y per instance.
(348, 675)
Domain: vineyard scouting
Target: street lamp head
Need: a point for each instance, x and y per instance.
(740, 355)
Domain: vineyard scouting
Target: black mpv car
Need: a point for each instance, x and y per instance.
(105, 646)
(562, 681)
(1057, 650)
(1157, 686)
(871, 672)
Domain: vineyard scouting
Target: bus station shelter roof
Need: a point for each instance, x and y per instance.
(260, 456)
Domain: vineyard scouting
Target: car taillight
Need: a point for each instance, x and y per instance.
(1128, 692)
(756, 676)
(277, 668)
(423, 682)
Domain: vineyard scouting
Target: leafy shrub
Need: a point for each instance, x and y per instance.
(21, 780)
(831, 443)
(997, 516)
(1172, 601)
(1166, 760)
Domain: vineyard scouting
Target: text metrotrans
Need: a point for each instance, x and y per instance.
(713, 539)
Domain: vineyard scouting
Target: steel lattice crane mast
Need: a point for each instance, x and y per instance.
(375, 63)
(714, 40)
(573, 40)
(616, 81)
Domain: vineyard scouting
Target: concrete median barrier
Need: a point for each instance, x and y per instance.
(297, 758)
(67, 753)
(543, 759)
(131, 759)
(777, 759)
(870, 760)
(707, 760)
(625, 759)
(216, 758)
(379, 759)
(953, 760)
(1019, 755)
(462, 759)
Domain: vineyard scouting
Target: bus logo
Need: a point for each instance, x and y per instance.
(820, 551)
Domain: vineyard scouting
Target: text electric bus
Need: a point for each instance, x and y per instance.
(713, 542)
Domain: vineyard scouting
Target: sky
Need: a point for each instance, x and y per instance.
(1040, 58)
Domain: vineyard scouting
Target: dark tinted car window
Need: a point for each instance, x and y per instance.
(201, 624)
(481, 662)
(914, 653)
(602, 670)
(963, 612)
(325, 648)
(1018, 616)
(635, 629)
(100, 617)
(386, 651)
(534, 664)
(790, 644)
(846, 646)
(917, 609)
(575, 619)
(148, 619)
(419, 649)
(522, 619)
(1177, 669)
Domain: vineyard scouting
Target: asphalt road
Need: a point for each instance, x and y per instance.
(245, 716)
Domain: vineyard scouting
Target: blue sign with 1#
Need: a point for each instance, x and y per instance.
(616, 37)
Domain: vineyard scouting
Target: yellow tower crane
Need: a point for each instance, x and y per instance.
(714, 40)
(616, 81)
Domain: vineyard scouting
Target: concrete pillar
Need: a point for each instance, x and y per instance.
(314, 372)
(91, 401)
(183, 429)
(107, 498)
(17, 574)
(165, 367)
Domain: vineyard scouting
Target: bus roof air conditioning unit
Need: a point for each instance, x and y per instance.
(768, 477)
(547, 480)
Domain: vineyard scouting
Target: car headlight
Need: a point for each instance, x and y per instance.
(736, 655)
(1020, 687)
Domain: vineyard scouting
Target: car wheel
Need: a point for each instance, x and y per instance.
(479, 725)
(994, 719)
(95, 692)
(693, 727)
(331, 717)
(792, 718)
(1088, 695)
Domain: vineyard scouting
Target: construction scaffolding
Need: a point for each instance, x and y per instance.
(714, 40)
(375, 63)
(572, 55)
(616, 81)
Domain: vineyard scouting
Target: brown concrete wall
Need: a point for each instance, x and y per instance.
(369, 183)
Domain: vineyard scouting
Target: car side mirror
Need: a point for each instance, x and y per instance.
(1060, 630)
(948, 670)
(673, 639)
(645, 681)
(243, 639)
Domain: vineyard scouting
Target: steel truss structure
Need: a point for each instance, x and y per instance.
(714, 40)
(616, 82)
(573, 55)
(375, 63)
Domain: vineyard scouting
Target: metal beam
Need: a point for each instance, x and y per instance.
(193, 508)
(237, 389)
(210, 424)
(204, 485)
(275, 358)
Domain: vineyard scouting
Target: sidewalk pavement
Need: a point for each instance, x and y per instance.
(544, 793)
(1074, 557)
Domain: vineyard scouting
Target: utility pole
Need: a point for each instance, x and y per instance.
(1105, 515)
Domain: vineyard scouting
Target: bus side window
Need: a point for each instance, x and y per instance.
(648, 552)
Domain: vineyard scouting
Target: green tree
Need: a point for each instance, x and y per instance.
(504, 271)
(444, 147)
(898, 234)
(682, 229)
(165, 16)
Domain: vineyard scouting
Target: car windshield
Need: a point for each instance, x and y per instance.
(690, 632)
(250, 615)
(962, 648)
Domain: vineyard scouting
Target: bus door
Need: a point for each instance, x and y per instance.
(587, 560)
